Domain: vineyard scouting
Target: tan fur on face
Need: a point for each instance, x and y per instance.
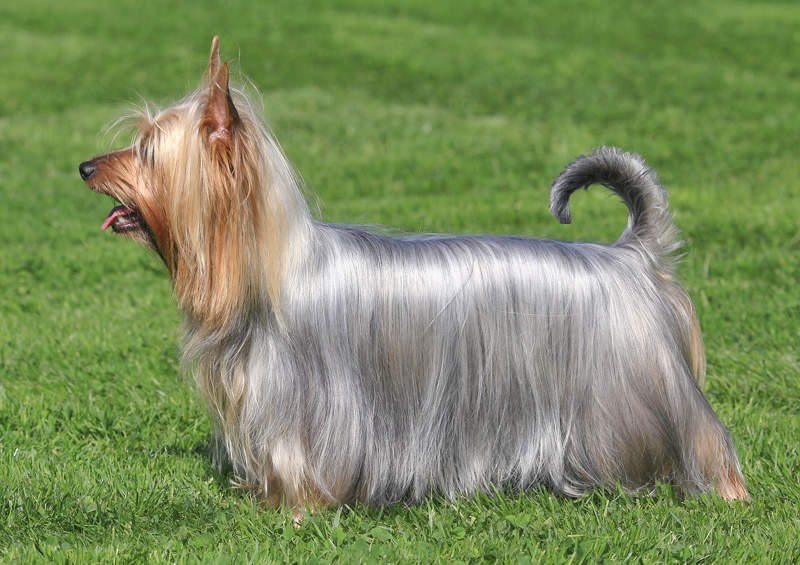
(119, 174)
(198, 176)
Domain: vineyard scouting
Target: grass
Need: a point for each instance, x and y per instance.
(427, 115)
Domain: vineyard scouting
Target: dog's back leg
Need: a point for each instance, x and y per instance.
(715, 458)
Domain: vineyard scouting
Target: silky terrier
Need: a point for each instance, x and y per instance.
(341, 364)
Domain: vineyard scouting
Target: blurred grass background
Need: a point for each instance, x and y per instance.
(426, 115)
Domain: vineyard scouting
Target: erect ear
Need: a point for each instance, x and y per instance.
(213, 59)
(219, 116)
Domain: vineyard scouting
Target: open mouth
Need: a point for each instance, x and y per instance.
(122, 219)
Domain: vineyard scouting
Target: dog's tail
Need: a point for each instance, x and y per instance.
(649, 223)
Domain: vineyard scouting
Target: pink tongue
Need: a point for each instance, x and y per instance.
(115, 213)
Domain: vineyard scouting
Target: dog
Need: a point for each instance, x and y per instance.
(342, 364)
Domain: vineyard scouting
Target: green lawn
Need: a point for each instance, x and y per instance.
(436, 115)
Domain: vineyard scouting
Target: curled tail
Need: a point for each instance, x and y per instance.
(649, 223)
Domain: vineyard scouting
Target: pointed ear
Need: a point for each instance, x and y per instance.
(220, 115)
(213, 60)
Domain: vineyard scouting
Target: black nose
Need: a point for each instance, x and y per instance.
(86, 169)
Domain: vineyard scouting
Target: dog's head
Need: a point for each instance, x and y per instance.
(205, 185)
(179, 156)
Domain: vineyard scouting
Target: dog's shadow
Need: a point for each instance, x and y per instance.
(217, 465)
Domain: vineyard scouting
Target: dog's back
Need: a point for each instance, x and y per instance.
(452, 363)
